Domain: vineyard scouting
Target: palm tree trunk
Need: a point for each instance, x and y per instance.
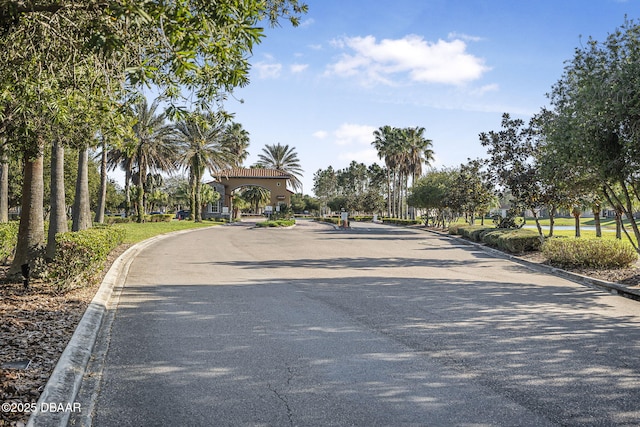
(81, 207)
(596, 219)
(58, 215)
(4, 186)
(102, 196)
(192, 195)
(197, 214)
(31, 229)
(127, 192)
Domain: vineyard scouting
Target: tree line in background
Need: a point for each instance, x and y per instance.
(68, 72)
(582, 153)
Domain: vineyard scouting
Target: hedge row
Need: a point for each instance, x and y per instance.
(8, 240)
(400, 221)
(277, 223)
(514, 241)
(593, 253)
(81, 255)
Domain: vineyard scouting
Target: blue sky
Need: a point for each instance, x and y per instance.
(450, 66)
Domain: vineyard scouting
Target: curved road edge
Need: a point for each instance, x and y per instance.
(64, 383)
(603, 285)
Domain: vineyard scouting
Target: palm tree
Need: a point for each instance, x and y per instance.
(200, 139)
(256, 195)
(284, 159)
(385, 143)
(237, 141)
(152, 149)
(418, 152)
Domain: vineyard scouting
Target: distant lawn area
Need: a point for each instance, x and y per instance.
(139, 232)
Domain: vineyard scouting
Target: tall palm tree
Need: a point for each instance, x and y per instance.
(237, 141)
(153, 149)
(418, 152)
(200, 139)
(385, 143)
(284, 159)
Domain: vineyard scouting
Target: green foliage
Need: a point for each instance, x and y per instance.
(160, 217)
(594, 253)
(514, 241)
(277, 223)
(401, 221)
(329, 219)
(81, 255)
(8, 240)
(473, 232)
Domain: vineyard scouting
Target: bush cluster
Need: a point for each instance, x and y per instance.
(8, 240)
(277, 223)
(159, 217)
(593, 253)
(400, 221)
(81, 255)
(510, 240)
(329, 219)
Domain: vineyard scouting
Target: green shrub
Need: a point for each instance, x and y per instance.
(362, 218)
(8, 240)
(594, 253)
(491, 237)
(277, 223)
(473, 232)
(329, 219)
(455, 229)
(160, 218)
(117, 219)
(519, 241)
(81, 255)
(400, 221)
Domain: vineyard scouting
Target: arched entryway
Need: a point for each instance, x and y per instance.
(271, 179)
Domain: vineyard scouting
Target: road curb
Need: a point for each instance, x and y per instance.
(64, 383)
(603, 285)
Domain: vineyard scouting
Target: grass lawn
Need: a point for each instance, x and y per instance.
(139, 232)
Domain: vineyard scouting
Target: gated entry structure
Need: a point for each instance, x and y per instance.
(273, 180)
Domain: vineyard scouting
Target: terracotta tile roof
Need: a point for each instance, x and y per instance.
(252, 173)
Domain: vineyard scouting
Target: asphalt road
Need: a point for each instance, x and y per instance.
(311, 326)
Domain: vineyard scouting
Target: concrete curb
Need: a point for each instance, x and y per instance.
(603, 285)
(64, 383)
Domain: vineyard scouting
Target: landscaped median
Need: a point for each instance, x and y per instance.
(562, 251)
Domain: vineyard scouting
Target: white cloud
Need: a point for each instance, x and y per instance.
(454, 35)
(306, 23)
(349, 133)
(298, 68)
(493, 87)
(423, 61)
(321, 134)
(268, 69)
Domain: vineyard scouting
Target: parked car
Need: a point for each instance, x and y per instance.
(183, 214)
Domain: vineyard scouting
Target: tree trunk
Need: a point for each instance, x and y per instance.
(31, 229)
(552, 220)
(618, 225)
(81, 207)
(4, 186)
(197, 217)
(140, 202)
(576, 216)
(596, 219)
(58, 215)
(127, 192)
(102, 196)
